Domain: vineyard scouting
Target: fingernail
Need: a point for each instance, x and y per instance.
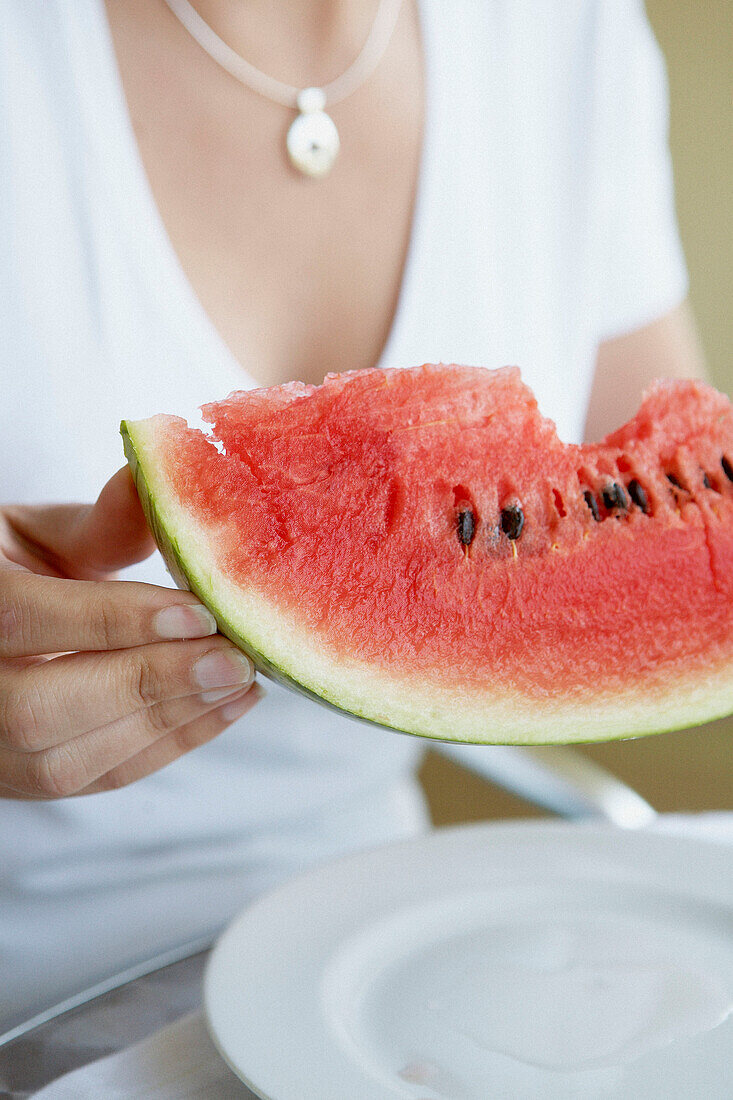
(221, 668)
(231, 711)
(221, 693)
(185, 621)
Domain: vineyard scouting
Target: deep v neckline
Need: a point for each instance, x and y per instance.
(164, 272)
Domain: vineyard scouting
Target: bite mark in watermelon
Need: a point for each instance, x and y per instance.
(419, 549)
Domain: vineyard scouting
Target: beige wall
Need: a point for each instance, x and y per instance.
(697, 39)
(692, 769)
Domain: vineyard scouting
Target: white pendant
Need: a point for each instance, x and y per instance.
(313, 140)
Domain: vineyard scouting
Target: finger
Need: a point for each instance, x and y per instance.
(52, 702)
(64, 770)
(82, 540)
(177, 743)
(112, 534)
(52, 615)
(6, 792)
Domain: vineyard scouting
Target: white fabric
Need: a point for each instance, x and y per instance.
(180, 1062)
(544, 221)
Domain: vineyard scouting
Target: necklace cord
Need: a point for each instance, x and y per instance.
(336, 90)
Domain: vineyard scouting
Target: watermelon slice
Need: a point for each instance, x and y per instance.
(419, 549)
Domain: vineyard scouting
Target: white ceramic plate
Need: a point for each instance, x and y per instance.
(491, 961)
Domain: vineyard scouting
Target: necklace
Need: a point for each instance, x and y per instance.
(312, 141)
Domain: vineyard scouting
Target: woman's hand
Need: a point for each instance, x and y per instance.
(101, 681)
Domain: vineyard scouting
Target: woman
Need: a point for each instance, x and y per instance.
(502, 194)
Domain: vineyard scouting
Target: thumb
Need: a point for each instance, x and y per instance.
(87, 541)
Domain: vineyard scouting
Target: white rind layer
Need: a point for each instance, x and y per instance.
(286, 652)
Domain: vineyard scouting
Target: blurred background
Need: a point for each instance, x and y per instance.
(692, 769)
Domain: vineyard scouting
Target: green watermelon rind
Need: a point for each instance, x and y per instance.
(185, 577)
(551, 722)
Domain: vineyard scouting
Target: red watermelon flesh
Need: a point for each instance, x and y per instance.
(417, 547)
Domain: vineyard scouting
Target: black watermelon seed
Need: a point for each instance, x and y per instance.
(466, 527)
(674, 481)
(512, 521)
(637, 494)
(592, 503)
(614, 496)
(727, 468)
(706, 481)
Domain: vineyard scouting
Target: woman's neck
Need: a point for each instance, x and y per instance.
(301, 42)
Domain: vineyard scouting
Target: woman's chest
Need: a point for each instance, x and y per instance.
(298, 276)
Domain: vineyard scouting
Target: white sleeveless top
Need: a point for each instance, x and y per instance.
(544, 223)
